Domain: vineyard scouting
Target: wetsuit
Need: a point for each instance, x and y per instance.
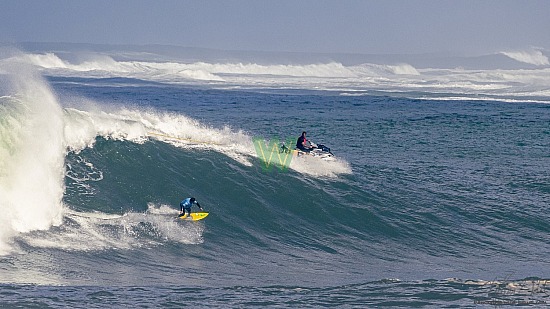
(186, 204)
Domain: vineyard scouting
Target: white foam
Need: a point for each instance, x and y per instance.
(161, 209)
(331, 69)
(99, 65)
(82, 126)
(33, 152)
(377, 70)
(404, 69)
(92, 231)
(531, 56)
(321, 76)
(320, 167)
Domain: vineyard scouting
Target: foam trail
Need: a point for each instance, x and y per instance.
(32, 156)
(83, 231)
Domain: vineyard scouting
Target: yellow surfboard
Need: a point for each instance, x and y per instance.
(195, 216)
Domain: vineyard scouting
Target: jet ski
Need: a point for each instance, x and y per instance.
(318, 151)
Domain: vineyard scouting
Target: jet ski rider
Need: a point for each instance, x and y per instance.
(303, 144)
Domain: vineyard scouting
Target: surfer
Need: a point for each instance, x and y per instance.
(185, 206)
(303, 143)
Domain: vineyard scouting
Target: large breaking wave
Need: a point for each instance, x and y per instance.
(37, 133)
(32, 150)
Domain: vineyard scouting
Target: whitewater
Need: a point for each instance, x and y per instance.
(506, 76)
(437, 195)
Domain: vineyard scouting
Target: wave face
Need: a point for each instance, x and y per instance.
(92, 171)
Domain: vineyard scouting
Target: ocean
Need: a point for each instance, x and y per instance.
(436, 197)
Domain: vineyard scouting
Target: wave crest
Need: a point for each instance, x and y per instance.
(33, 153)
(534, 56)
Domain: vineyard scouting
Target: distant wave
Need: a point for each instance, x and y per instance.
(378, 70)
(403, 69)
(526, 84)
(198, 70)
(331, 69)
(533, 56)
(105, 66)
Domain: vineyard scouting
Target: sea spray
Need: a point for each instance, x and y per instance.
(32, 154)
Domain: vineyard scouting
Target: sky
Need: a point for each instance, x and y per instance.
(322, 26)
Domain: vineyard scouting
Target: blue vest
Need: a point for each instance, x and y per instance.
(186, 203)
